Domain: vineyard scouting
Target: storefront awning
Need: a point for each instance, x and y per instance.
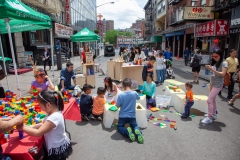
(179, 33)
(156, 39)
(178, 28)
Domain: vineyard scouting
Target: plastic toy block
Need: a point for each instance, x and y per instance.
(166, 118)
(192, 115)
(160, 119)
(165, 110)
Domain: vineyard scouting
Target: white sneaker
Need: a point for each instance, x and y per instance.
(207, 120)
(206, 115)
(214, 117)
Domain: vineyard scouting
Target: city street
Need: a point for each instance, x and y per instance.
(191, 140)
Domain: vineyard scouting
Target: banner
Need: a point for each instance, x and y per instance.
(198, 13)
(62, 30)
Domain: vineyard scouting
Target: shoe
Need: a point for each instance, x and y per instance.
(229, 103)
(214, 117)
(92, 117)
(99, 118)
(207, 120)
(85, 118)
(216, 111)
(229, 97)
(183, 116)
(130, 134)
(205, 115)
(139, 136)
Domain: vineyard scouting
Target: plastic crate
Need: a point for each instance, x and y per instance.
(163, 101)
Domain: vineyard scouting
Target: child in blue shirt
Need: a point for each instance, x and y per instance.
(149, 88)
(127, 114)
(86, 102)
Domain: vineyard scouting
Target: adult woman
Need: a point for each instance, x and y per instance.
(42, 81)
(110, 87)
(132, 55)
(85, 49)
(219, 68)
(160, 68)
(139, 54)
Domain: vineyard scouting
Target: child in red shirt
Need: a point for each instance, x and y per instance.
(189, 100)
(85, 49)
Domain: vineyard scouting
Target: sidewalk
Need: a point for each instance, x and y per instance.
(180, 65)
(26, 78)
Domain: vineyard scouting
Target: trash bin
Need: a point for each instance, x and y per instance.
(59, 61)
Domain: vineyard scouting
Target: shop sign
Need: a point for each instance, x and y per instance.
(204, 29)
(62, 30)
(212, 28)
(198, 13)
(234, 30)
(67, 9)
(235, 22)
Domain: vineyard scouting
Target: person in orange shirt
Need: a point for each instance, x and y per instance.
(189, 100)
(98, 103)
(85, 49)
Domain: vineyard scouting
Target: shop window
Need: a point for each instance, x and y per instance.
(39, 37)
(203, 2)
(193, 2)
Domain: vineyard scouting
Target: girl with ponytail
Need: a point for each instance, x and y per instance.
(57, 144)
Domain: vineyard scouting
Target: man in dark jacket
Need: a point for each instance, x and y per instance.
(148, 68)
(186, 55)
(46, 58)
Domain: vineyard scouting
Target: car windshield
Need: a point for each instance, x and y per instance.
(109, 48)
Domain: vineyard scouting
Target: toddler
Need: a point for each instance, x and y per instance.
(86, 102)
(98, 103)
(189, 100)
(149, 88)
(127, 114)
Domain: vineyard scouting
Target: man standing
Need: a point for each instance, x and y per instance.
(46, 58)
(232, 68)
(168, 54)
(197, 58)
(146, 50)
(65, 77)
(186, 55)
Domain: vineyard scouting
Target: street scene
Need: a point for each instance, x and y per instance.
(122, 79)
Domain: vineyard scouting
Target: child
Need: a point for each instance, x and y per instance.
(148, 68)
(127, 114)
(98, 103)
(189, 100)
(149, 88)
(42, 81)
(86, 102)
(110, 87)
(170, 73)
(58, 145)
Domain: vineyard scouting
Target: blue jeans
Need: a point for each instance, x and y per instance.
(160, 76)
(121, 123)
(187, 108)
(164, 75)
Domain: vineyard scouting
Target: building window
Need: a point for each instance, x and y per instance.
(39, 37)
(193, 2)
(203, 2)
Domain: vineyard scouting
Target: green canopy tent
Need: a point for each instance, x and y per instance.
(85, 35)
(15, 16)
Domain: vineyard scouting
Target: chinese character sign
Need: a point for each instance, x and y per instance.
(222, 27)
(205, 29)
(68, 20)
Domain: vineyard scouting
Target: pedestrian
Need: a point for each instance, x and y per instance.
(139, 54)
(127, 114)
(42, 81)
(160, 68)
(98, 103)
(132, 54)
(231, 102)
(86, 103)
(149, 89)
(219, 68)
(57, 144)
(189, 100)
(66, 75)
(196, 66)
(146, 50)
(186, 55)
(84, 58)
(232, 68)
(148, 68)
(46, 58)
(168, 54)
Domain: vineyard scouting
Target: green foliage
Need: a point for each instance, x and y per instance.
(96, 31)
(111, 36)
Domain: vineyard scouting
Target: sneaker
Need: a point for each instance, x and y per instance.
(207, 120)
(130, 134)
(92, 117)
(84, 117)
(214, 117)
(206, 115)
(229, 97)
(183, 116)
(99, 118)
(139, 136)
(230, 103)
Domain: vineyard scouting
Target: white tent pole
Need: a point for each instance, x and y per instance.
(13, 55)
(51, 42)
(4, 65)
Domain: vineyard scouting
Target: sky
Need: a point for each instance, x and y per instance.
(123, 12)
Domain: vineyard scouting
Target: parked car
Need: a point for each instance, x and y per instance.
(109, 50)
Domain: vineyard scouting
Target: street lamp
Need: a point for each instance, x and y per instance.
(105, 3)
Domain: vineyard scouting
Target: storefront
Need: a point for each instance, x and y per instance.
(213, 36)
(234, 31)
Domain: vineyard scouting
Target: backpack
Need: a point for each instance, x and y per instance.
(196, 61)
(227, 79)
(235, 76)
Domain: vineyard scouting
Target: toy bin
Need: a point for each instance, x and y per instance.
(163, 101)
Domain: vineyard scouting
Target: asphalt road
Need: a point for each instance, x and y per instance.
(191, 140)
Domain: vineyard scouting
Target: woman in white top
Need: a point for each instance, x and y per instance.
(139, 54)
(161, 68)
(57, 143)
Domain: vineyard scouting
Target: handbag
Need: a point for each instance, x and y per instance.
(195, 62)
(227, 79)
(235, 76)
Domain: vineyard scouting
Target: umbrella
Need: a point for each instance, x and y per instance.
(15, 16)
(85, 35)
